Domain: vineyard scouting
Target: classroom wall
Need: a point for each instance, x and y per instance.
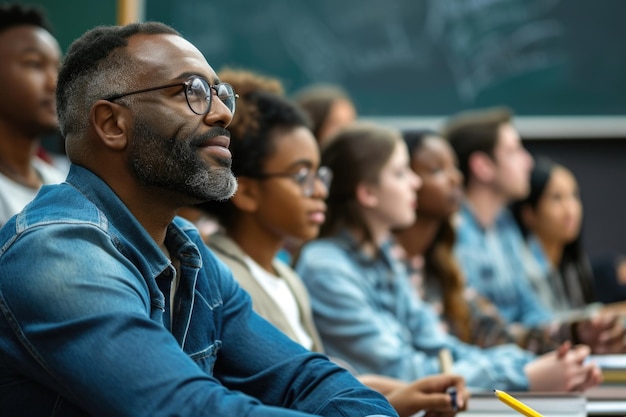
(71, 18)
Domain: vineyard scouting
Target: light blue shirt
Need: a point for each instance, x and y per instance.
(368, 315)
(492, 261)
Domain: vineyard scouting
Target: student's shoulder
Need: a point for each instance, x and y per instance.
(325, 246)
(325, 253)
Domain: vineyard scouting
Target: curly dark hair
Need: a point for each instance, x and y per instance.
(262, 112)
(96, 65)
(17, 14)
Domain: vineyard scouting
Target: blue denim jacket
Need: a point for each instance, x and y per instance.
(82, 329)
(492, 262)
(368, 315)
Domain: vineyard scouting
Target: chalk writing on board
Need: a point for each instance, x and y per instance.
(435, 56)
(486, 41)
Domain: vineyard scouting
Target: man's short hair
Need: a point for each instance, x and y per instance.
(96, 65)
(16, 14)
(475, 131)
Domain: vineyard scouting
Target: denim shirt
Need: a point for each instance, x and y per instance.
(84, 325)
(368, 315)
(492, 260)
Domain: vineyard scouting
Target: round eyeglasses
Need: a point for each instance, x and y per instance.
(198, 93)
(305, 177)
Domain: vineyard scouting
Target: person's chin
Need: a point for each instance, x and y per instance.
(47, 125)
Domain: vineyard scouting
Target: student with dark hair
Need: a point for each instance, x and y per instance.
(29, 65)
(428, 249)
(363, 305)
(550, 219)
(281, 195)
(489, 246)
(126, 312)
(329, 107)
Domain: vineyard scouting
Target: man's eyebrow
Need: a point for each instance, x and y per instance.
(301, 163)
(185, 75)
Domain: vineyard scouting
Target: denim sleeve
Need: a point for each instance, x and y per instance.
(403, 344)
(351, 326)
(75, 321)
(523, 306)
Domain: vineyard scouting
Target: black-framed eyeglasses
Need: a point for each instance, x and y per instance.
(305, 177)
(197, 92)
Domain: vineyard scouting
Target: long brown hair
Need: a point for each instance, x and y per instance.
(356, 154)
(440, 265)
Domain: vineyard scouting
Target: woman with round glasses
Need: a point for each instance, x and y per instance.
(281, 195)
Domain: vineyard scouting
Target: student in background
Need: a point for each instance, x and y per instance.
(550, 219)
(427, 246)
(281, 198)
(363, 305)
(29, 64)
(489, 245)
(329, 107)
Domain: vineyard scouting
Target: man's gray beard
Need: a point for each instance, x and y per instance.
(218, 183)
(175, 165)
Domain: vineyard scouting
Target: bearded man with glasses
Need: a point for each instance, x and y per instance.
(126, 312)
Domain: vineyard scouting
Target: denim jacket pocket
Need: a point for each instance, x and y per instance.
(206, 358)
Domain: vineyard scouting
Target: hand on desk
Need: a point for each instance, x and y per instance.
(429, 393)
(563, 370)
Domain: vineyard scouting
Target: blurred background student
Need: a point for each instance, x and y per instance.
(280, 197)
(489, 245)
(427, 247)
(550, 219)
(329, 107)
(29, 64)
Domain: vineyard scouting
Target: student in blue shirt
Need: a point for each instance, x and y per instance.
(489, 246)
(363, 305)
(110, 305)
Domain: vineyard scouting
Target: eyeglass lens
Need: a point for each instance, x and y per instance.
(199, 95)
(324, 174)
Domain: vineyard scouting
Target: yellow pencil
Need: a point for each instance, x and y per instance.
(516, 404)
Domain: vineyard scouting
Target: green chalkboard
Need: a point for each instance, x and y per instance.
(71, 18)
(423, 57)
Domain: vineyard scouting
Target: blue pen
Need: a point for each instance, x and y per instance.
(452, 392)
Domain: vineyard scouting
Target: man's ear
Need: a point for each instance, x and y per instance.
(247, 196)
(482, 167)
(366, 195)
(112, 123)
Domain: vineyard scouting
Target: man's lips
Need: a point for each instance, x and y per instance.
(217, 145)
